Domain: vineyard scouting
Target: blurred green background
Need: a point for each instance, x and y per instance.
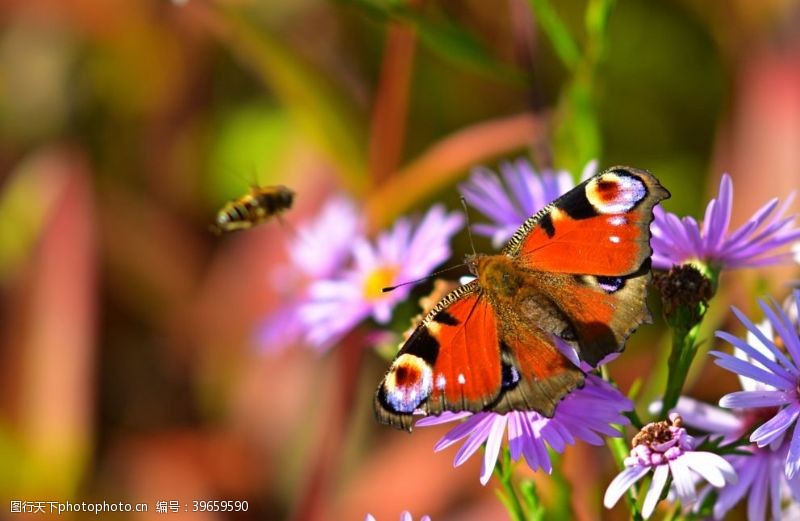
(127, 361)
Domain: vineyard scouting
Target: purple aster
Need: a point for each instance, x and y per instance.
(404, 516)
(772, 362)
(677, 241)
(762, 479)
(584, 414)
(405, 253)
(667, 450)
(521, 193)
(321, 247)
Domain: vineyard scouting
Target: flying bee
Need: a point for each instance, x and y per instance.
(253, 208)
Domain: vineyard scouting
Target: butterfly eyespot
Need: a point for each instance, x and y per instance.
(615, 192)
(408, 383)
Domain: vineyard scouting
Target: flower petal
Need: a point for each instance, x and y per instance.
(747, 399)
(793, 458)
(493, 441)
(745, 368)
(712, 467)
(623, 482)
(683, 481)
(654, 492)
(776, 426)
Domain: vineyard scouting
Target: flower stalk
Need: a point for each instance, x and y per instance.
(685, 291)
(504, 470)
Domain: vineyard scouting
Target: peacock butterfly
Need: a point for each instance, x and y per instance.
(577, 270)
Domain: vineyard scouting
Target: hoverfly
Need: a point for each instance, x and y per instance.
(253, 208)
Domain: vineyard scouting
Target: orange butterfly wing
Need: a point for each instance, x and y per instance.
(601, 227)
(460, 359)
(594, 242)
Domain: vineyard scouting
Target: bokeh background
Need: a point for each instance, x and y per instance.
(129, 369)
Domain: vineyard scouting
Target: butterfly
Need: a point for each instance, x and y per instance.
(575, 272)
(255, 207)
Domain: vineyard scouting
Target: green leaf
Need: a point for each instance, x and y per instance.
(447, 39)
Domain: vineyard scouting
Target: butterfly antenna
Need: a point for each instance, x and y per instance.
(392, 288)
(469, 228)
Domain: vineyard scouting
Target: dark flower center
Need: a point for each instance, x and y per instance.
(683, 288)
(657, 432)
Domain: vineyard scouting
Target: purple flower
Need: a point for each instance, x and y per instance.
(521, 193)
(404, 516)
(776, 371)
(337, 303)
(585, 414)
(677, 241)
(666, 449)
(321, 247)
(761, 474)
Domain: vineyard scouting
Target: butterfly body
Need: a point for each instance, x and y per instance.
(257, 206)
(574, 274)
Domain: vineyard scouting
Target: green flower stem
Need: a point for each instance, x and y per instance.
(684, 348)
(504, 470)
(531, 499)
(685, 323)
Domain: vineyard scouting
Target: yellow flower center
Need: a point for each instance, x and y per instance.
(377, 280)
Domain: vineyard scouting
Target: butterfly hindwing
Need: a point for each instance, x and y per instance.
(594, 315)
(536, 376)
(600, 227)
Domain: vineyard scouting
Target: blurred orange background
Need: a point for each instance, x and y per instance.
(128, 365)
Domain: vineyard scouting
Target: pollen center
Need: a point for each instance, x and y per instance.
(377, 280)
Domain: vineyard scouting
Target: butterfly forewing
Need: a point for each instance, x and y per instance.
(601, 227)
(450, 363)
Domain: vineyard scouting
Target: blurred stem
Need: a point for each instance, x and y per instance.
(562, 489)
(504, 470)
(445, 161)
(557, 32)
(326, 113)
(531, 499)
(577, 138)
(387, 135)
(632, 415)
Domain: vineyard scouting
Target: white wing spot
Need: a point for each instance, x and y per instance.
(461, 379)
(614, 239)
(441, 381)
